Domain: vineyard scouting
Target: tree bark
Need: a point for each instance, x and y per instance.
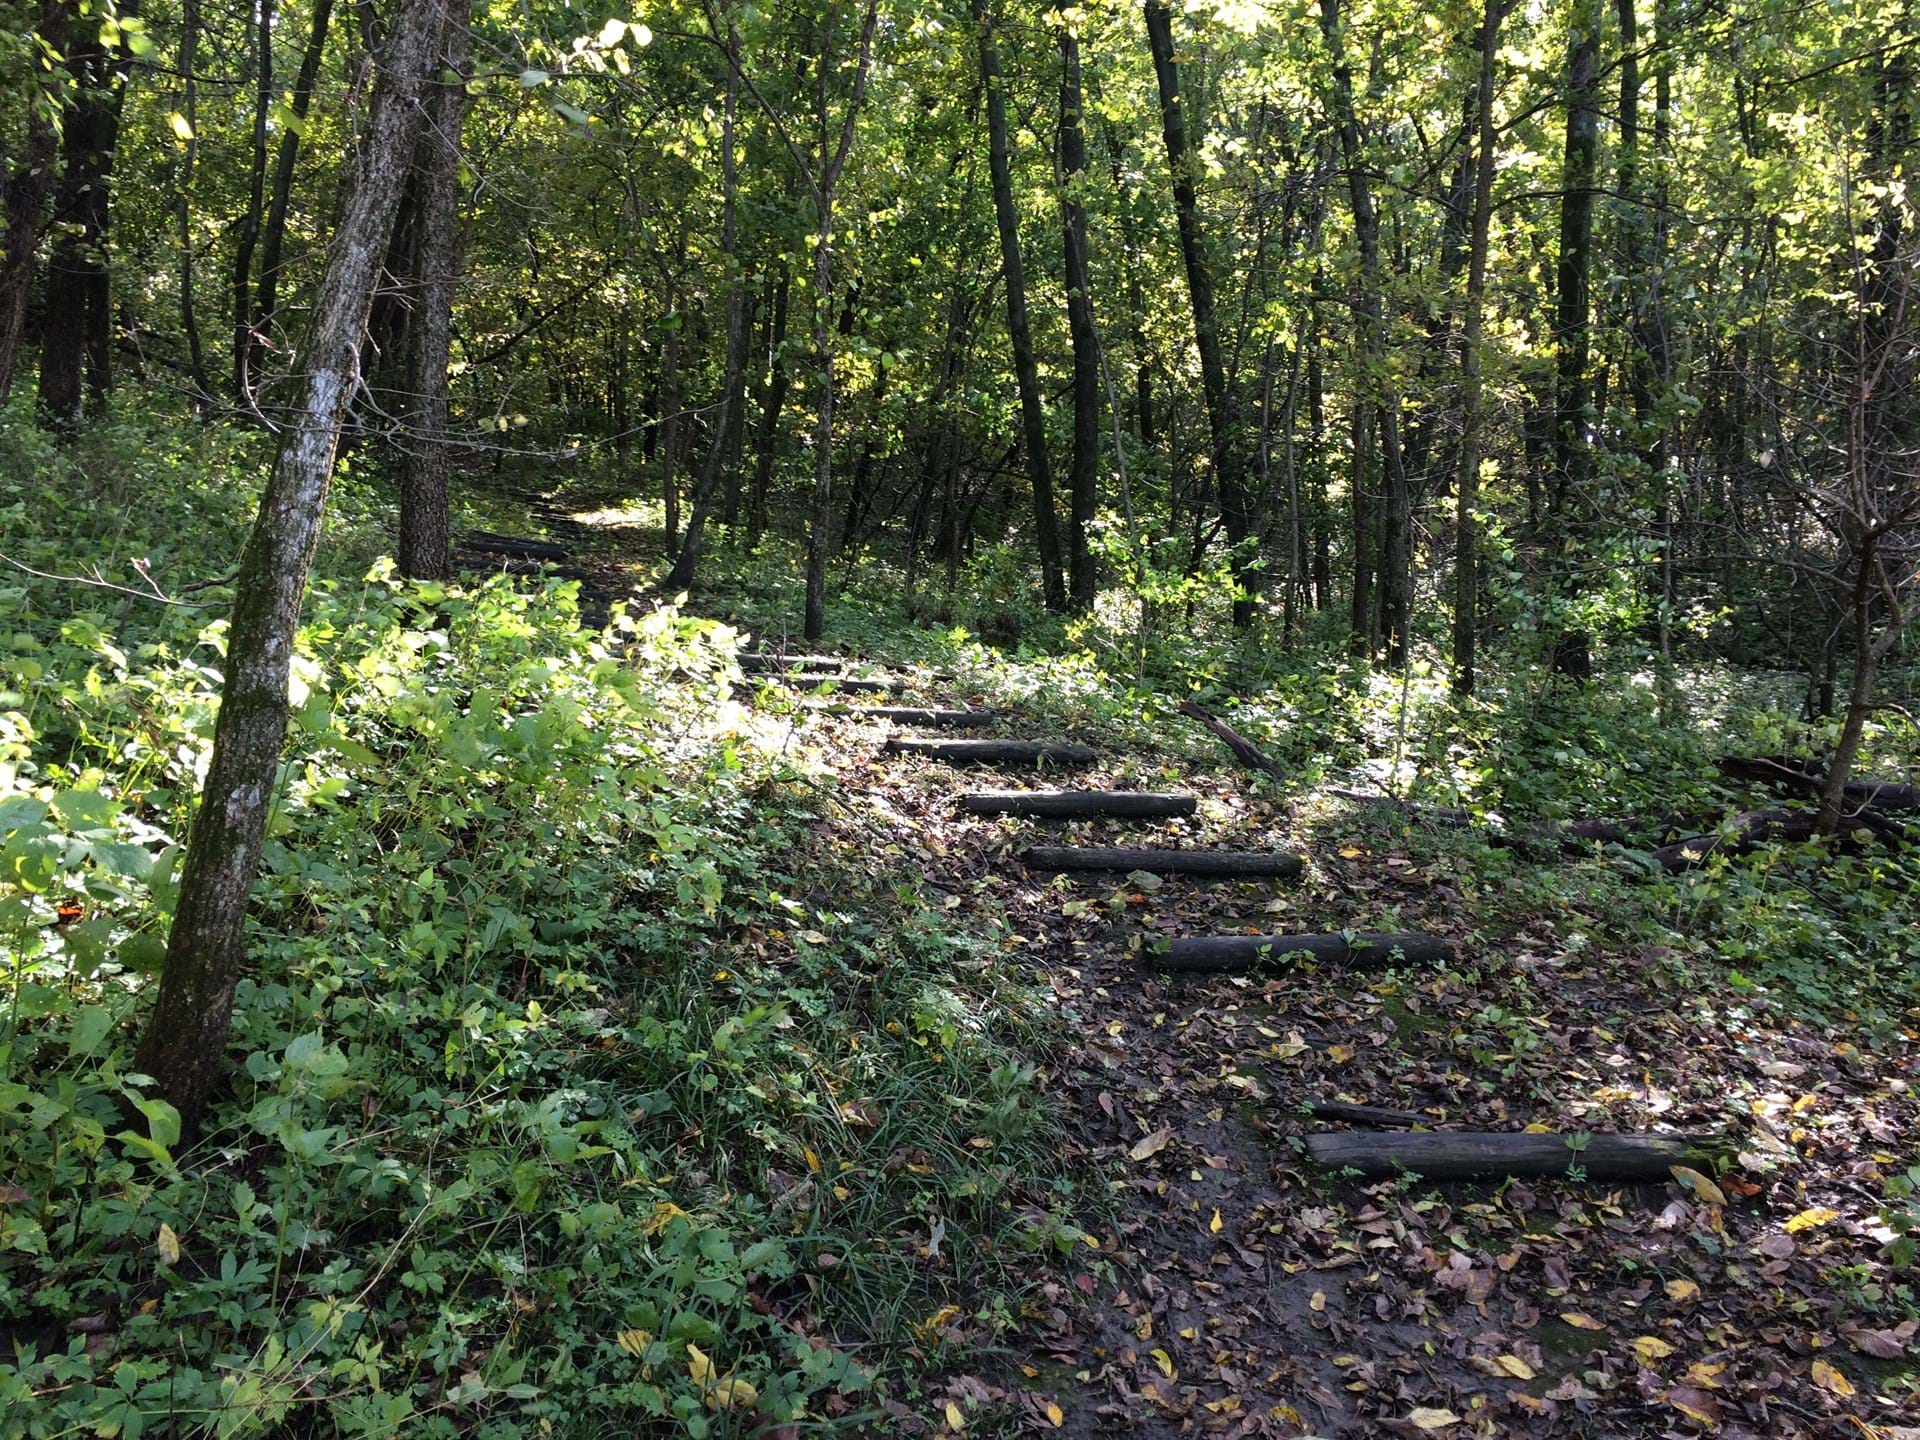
(1240, 953)
(27, 187)
(1466, 542)
(1033, 419)
(249, 235)
(1084, 471)
(274, 234)
(1467, 1155)
(1079, 804)
(995, 752)
(1221, 420)
(1218, 864)
(1396, 515)
(773, 399)
(428, 463)
(183, 1045)
(76, 351)
(687, 564)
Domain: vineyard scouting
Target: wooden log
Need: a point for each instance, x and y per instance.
(914, 715)
(1477, 1155)
(1243, 749)
(1231, 953)
(1806, 778)
(1572, 837)
(994, 752)
(756, 662)
(1079, 804)
(1748, 832)
(491, 543)
(1218, 863)
(1343, 1112)
(809, 680)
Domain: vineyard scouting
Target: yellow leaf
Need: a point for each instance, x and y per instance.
(1579, 1321)
(813, 1160)
(1216, 1225)
(1536, 1128)
(1828, 1378)
(665, 1212)
(1351, 852)
(699, 1367)
(1427, 1418)
(1143, 1328)
(1339, 1054)
(956, 1422)
(1152, 1144)
(931, 1327)
(1055, 1415)
(1699, 1184)
(169, 1244)
(1808, 1219)
(634, 1342)
(728, 1393)
(1319, 1301)
(1650, 1348)
(1705, 1374)
(1164, 1361)
(1513, 1365)
(1681, 1290)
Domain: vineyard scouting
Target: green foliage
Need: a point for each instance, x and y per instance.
(551, 1066)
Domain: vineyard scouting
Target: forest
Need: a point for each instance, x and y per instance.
(933, 718)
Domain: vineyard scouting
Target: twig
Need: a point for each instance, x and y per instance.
(155, 595)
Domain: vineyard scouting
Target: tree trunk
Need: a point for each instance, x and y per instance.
(1466, 545)
(183, 198)
(1396, 515)
(274, 234)
(249, 236)
(27, 187)
(427, 467)
(773, 399)
(76, 352)
(1085, 468)
(1206, 334)
(183, 1045)
(1026, 370)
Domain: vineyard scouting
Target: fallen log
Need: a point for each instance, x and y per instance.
(1571, 837)
(809, 680)
(1807, 778)
(913, 715)
(761, 661)
(994, 752)
(1219, 863)
(1231, 953)
(1243, 749)
(1079, 804)
(490, 542)
(1750, 831)
(1346, 1113)
(1476, 1155)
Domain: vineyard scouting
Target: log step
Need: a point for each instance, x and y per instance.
(1477, 1155)
(1234, 953)
(1222, 863)
(994, 752)
(913, 715)
(761, 662)
(490, 542)
(1079, 804)
(809, 680)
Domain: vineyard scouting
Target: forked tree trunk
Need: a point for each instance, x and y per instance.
(183, 1046)
(1026, 370)
(1180, 145)
(425, 475)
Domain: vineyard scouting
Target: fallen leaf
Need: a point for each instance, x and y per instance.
(1829, 1378)
(1881, 1344)
(1699, 1184)
(1809, 1219)
(1695, 1403)
(1681, 1290)
(1216, 1225)
(1579, 1321)
(634, 1342)
(1319, 1301)
(1649, 1348)
(1426, 1418)
(1055, 1415)
(1152, 1145)
(1164, 1361)
(169, 1244)
(1513, 1365)
(956, 1422)
(1706, 1374)
(1339, 1054)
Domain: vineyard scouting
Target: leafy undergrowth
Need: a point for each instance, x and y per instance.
(595, 1068)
